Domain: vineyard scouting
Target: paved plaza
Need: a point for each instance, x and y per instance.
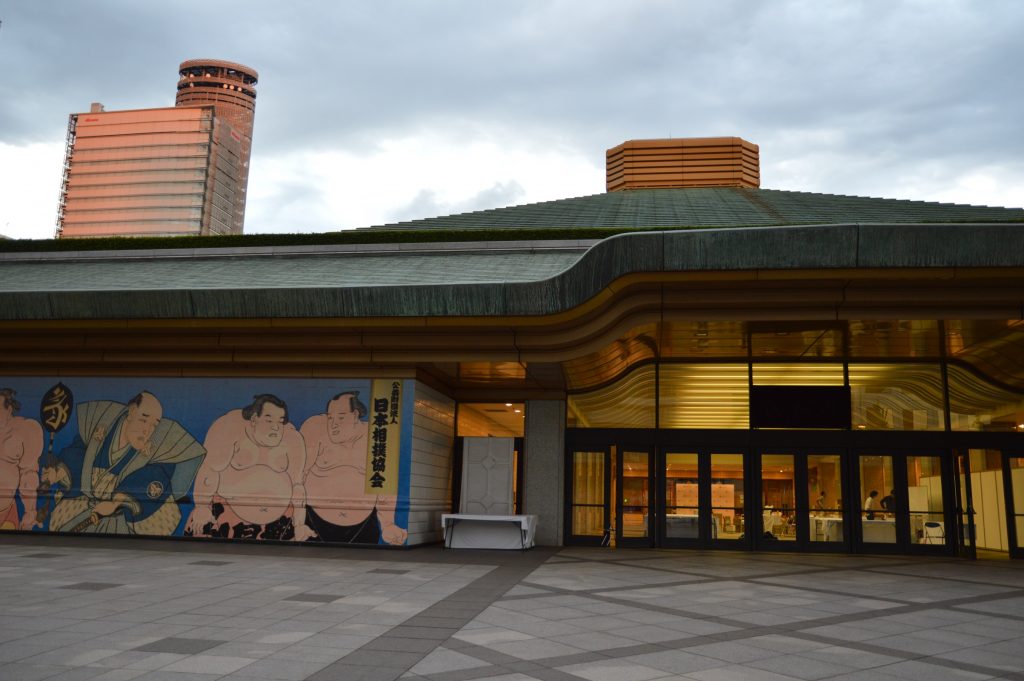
(113, 610)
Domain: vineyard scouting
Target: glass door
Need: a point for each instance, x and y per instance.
(964, 495)
(1013, 469)
(903, 501)
(704, 499)
(826, 526)
(590, 490)
(926, 508)
(877, 483)
(778, 501)
(682, 519)
(635, 499)
(801, 501)
(728, 499)
(985, 482)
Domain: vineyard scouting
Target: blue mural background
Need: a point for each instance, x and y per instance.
(195, 403)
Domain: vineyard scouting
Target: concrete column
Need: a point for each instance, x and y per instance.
(544, 468)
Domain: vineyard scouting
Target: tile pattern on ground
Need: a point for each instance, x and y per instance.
(304, 613)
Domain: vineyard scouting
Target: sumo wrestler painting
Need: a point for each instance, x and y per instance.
(256, 459)
(125, 471)
(21, 444)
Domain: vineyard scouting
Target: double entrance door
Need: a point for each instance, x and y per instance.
(640, 495)
(778, 498)
(989, 492)
(773, 500)
(621, 473)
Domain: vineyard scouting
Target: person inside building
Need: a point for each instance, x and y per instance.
(869, 505)
(888, 502)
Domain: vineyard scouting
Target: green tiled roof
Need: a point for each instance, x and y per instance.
(710, 207)
(491, 279)
(257, 272)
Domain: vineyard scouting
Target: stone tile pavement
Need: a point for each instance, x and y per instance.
(115, 610)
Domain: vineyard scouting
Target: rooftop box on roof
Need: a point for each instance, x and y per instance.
(673, 163)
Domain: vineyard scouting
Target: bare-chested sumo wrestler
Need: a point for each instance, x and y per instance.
(338, 509)
(21, 444)
(250, 485)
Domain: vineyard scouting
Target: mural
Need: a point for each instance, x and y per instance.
(196, 457)
(21, 445)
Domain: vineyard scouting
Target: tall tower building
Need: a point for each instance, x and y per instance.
(231, 89)
(180, 170)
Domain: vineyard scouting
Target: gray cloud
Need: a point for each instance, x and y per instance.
(427, 204)
(854, 96)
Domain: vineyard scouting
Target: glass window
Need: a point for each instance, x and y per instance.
(705, 396)
(727, 496)
(897, 397)
(824, 492)
(924, 500)
(635, 346)
(878, 339)
(876, 484)
(778, 497)
(798, 374)
(487, 419)
(627, 403)
(989, 347)
(975, 403)
(795, 340)
(588, 503)
(680, 339)
(681, 496)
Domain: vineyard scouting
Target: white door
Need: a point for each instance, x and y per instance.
(487, 476)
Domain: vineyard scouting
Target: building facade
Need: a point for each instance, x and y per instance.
(163, 172)
(735, 368)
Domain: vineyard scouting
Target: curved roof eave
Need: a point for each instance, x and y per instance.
(817, 247)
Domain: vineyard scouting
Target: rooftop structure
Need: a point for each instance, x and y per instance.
(692, 162)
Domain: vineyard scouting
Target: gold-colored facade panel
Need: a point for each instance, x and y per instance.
(627, 403)
(704, 396)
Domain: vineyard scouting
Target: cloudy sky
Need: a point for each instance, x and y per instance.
(374, 112)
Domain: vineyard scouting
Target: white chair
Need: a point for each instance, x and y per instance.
(934, 533)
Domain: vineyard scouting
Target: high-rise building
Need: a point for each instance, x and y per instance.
(231, 89)
(178, 170)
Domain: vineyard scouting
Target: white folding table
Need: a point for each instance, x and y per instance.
(465, 531)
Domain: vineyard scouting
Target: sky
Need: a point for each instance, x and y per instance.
(375, 112)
